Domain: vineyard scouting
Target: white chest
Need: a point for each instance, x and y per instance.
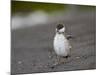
(61, 45)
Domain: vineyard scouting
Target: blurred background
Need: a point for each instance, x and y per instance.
(30, 14)
(33, 29)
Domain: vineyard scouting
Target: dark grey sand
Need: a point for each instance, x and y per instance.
(32, 47)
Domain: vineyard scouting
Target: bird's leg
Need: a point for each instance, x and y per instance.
(63, 60)
(60, 60)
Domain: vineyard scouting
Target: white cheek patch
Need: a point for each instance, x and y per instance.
(62, 30)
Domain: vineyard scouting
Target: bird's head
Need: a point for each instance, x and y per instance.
(60, 28)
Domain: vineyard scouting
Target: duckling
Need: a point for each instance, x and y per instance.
(61, 44)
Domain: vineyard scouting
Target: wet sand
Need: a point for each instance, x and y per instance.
(32, 47)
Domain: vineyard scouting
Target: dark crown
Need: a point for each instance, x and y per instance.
(60, 26)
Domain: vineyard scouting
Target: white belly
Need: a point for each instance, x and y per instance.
(61, 45)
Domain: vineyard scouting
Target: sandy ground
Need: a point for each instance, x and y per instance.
(32, 47)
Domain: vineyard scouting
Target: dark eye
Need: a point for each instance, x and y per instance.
(60, 26)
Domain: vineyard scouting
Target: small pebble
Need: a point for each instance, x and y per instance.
(77, 57)
(52, 67)
(19, 62)
(50, 56)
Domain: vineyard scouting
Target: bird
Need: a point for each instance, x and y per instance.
(61, 43)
